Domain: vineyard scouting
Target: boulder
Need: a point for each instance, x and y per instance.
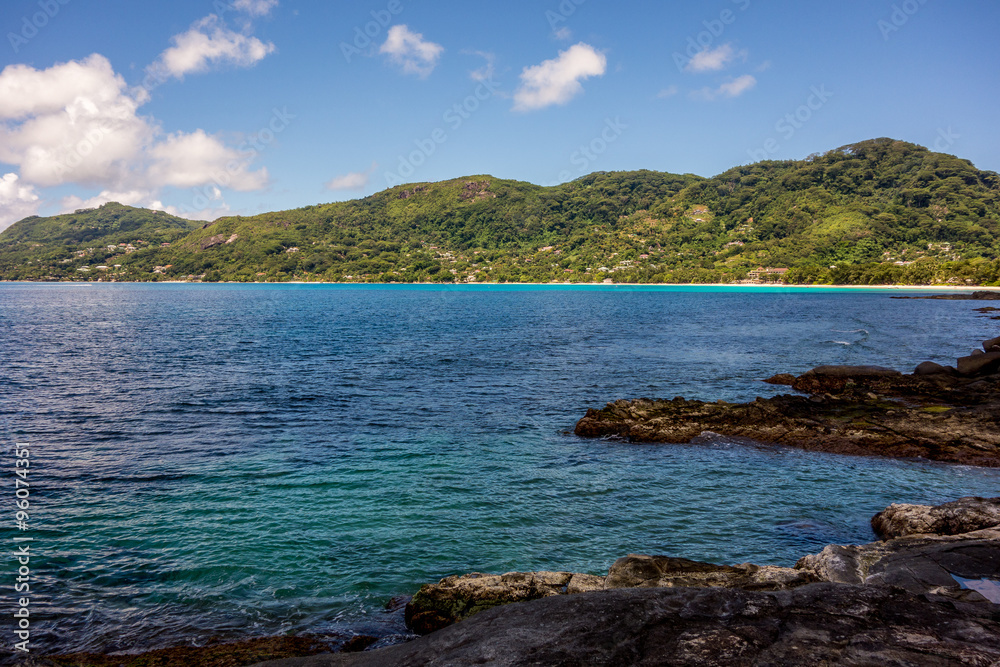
(965, 515)
(818, 624)
(926, 565)
(854, 371)
(930, 368)
(456, 598)
(979, 364)
(636, 571)
(990, 344)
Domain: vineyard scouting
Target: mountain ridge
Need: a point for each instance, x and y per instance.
(875, 212)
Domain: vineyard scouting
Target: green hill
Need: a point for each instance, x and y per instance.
(39, 248)
(876, 212)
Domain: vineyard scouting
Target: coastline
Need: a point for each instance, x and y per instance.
(681, 286)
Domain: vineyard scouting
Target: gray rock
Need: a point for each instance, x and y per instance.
(930, 368)
(854, 371)
(818, 624)
(979, 364)
(961, 516)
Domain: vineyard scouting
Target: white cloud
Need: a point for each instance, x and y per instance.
(733, 88)
(207, 44)
(255, 7)
(131, 198)
(411, 51)
(190, 160)
(75, 123)
(17, 201)
(357, 180)
(564, 33)
(667, 92)
(558, 81)
(712, 60)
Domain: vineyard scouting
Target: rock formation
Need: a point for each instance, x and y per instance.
(938, 412)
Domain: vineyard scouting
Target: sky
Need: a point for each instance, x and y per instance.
(206, 108)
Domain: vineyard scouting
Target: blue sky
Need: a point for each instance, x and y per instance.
(215, 107)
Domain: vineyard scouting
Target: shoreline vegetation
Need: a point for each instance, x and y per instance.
(879, 212)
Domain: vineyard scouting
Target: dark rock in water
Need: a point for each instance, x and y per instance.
(982, 363)
(990, 344)
(818, 624)
(965, 515)
(358, 643)
(931, 368)
(961, 296)
(854, 371)
(936, 413)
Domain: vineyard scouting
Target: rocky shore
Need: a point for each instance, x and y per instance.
(942, 413)
(927, 594)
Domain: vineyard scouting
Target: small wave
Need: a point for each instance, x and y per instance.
(838, 342)
(864, 331)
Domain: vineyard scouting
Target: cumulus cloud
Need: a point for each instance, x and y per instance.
(357, 180)
(557, 81)
(17, 201)
(733, 88)
(209, 44)
(411, 51)
(75, 123)
(190, 160)
(712, 60)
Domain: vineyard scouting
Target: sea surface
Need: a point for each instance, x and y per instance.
(228, 461)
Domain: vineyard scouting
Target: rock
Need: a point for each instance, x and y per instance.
(213, 241)
(965, 515)
(456, 598)
(818, 624)
(990, 344)
(635, 571)
(930, 368)
(936, 413)
(920, 565)
(982, 363)
(854, 371)
(358, 643)
(852, 423)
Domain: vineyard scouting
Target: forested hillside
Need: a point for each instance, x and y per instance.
(876, 212)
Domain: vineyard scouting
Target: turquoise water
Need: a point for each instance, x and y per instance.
(244, 460)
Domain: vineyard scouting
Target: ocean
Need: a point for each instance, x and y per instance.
(231, 461)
